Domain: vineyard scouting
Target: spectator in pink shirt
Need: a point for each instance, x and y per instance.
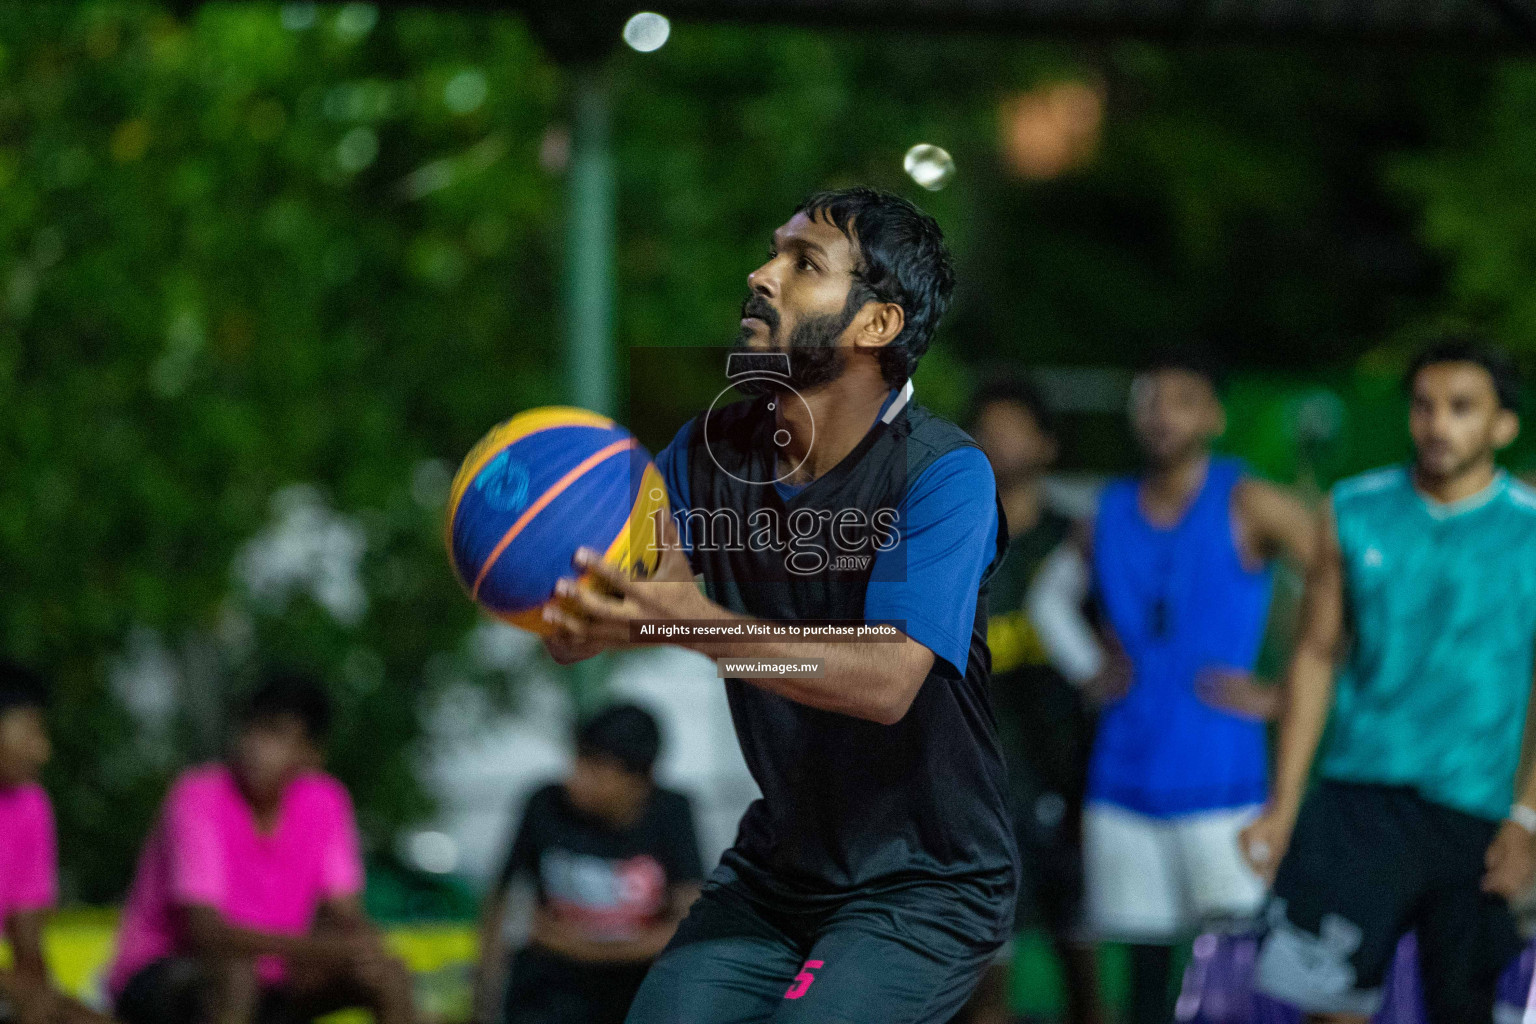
(245, 908)
(28, 870)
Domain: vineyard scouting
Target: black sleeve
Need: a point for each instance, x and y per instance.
(523, 856)
(681, 847)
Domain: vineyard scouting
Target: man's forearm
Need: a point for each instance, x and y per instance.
(1309, 683)
(24, 930)
(876, 681)
(30, 997)
(240, 942)
(1308, 696)
(646, 946)
(490, 969)
(11, 983)
(212, 935)
(1527, 793)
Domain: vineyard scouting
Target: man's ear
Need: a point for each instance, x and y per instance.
(1505, 428)
(882, 324)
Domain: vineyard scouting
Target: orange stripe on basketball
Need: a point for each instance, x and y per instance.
(544, 499)
(504, 436)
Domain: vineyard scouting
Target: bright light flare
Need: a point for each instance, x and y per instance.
(929, 166)
(647, 31)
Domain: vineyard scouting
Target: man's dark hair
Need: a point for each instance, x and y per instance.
(1201, 362)
(291, 693)
(902, 259)
(1506, 377)
(21, 687)
(625, 732)
(1016, 390)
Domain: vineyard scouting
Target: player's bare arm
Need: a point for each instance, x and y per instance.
(1306, 698)
(345, 917)
(211, 935)
(562, 937)
(27, 984)
(1273, 523)
(1270, 523)
(875, 681)
(490, 970)
(865, 680)
(1511, 859)
(24, 931)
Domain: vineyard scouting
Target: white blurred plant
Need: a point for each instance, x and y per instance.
(497, 647)
(306, 548)
(146, 677)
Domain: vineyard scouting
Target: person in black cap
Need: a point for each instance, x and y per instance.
(615, 865)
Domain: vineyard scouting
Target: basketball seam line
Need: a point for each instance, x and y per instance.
(629, 525)
(555, 489)
(454, 501)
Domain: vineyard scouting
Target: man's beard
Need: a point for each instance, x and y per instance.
(1450, 468)
(815, 358)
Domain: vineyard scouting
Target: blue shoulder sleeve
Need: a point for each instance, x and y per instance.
(947, 533)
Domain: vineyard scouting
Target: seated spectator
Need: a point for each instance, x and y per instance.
(245, 908)
(28, 871)
(615, 865)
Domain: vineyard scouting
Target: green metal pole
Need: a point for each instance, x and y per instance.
(589, 244)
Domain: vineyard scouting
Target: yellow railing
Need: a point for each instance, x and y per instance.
(79, 946)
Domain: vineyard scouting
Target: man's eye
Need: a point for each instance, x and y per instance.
(805, 264)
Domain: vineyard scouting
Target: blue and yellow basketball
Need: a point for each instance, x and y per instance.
(535, 489)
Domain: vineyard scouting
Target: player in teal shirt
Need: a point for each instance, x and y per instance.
(1429, 572)
(1444, 609)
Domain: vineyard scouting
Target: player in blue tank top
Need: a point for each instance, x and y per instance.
(1419, 821)
(1181, 570)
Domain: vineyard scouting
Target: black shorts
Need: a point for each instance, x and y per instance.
(176, 990)
(905, 956)
(1367, 864)
(1047, 736)
(547, 989)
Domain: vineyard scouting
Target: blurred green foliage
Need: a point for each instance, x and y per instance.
(240, 256)
(270, 245)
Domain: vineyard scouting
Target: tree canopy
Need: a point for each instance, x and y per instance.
(267, 271)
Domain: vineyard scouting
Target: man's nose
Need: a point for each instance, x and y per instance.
(763, 281)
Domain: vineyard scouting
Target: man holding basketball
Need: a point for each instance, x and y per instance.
(875, 878)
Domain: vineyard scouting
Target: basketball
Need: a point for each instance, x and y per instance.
(536, 488)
